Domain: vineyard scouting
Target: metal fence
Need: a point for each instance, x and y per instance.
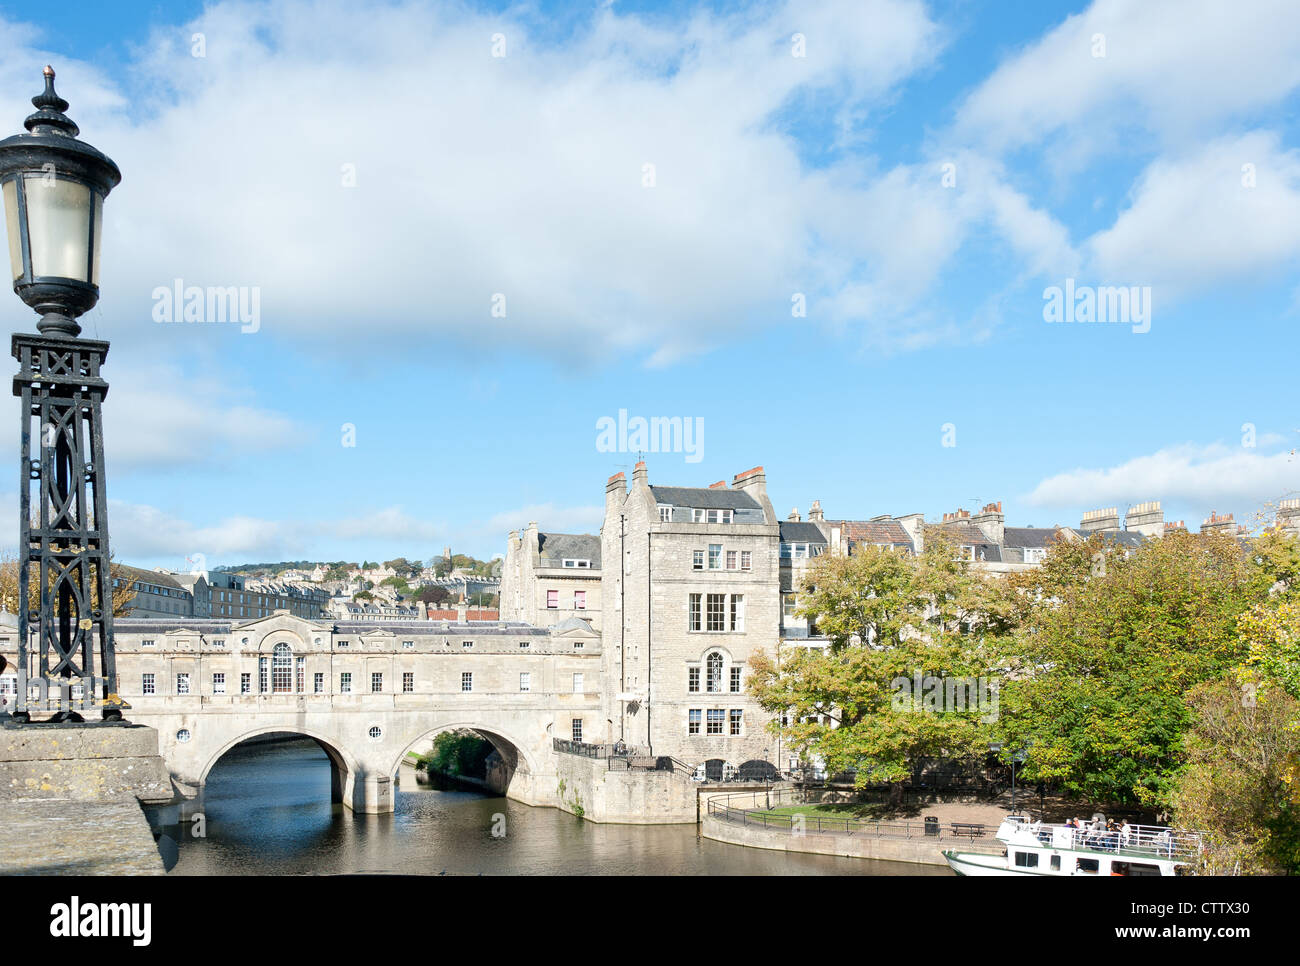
(615, 750)
(761, 810)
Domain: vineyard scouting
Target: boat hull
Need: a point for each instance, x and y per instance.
(980, 863)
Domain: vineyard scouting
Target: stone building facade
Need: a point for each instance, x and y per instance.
(548, 578)
(211, 593)
(691, 591)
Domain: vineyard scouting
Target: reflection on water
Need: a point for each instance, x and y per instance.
(267, 810)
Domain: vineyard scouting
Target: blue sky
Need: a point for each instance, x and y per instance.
(1164, 157)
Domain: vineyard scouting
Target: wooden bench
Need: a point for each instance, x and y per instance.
(971, 829)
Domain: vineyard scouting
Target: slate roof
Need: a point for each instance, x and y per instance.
(1028, 537)
(1125, 538)
(703, 498)
(793, 531)
(436, 627)
(889, 532)
(156, 625)
(570, 546)
(146, 576)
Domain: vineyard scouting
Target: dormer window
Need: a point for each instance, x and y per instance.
(711, 516)
(665, 514)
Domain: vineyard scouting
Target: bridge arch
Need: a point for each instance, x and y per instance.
(517, 759)
(344, 768)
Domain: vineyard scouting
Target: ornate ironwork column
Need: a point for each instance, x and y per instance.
(63, 529)
(54, 186)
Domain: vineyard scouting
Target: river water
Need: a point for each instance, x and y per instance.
(267, 811)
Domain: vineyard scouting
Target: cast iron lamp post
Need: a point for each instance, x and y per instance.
(1018, 757)
(54, 188)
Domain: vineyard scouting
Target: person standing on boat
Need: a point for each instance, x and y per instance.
(1166, 842)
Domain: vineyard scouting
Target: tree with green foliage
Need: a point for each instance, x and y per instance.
(462, 753)
(1240, 784)
(433, 594)
(890, 617)
(1111, 641)
(398, 584)
(1270, 632)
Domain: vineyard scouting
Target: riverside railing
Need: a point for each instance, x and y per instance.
(615, 750)
(765, 816)
(1156, 841)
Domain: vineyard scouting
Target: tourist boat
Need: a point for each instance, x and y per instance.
(1037, 848)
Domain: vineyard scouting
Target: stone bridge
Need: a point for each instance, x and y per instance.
(366, 692)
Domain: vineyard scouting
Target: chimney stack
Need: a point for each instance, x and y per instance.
(913, 525)
(615, 492)
(754, 482)
(753, 479)
(991, 522)
(1105, 520)
(794, 515)
(640, 477)
(815, 514)
(720, 485)
(1223, 523)
(1147, 519)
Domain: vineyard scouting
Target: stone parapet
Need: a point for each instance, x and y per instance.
(94, 762)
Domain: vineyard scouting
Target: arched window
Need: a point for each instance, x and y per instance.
(713, 672)
(282, 669)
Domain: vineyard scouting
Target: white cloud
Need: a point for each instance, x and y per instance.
(909, 228)
(548, 517)
(142, 532)
(1208, 476)
(147, 533)
(1193, 222)
(478, 175)
(1175, 67)
(162, 416)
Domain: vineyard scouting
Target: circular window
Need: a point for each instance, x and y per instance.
(183, 735)
(376, 732)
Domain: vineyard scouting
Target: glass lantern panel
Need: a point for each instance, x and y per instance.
(11, 225)
(99, 235)
(58, 222)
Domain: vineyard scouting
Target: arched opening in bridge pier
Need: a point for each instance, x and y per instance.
(503, 767)
(308, 763)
